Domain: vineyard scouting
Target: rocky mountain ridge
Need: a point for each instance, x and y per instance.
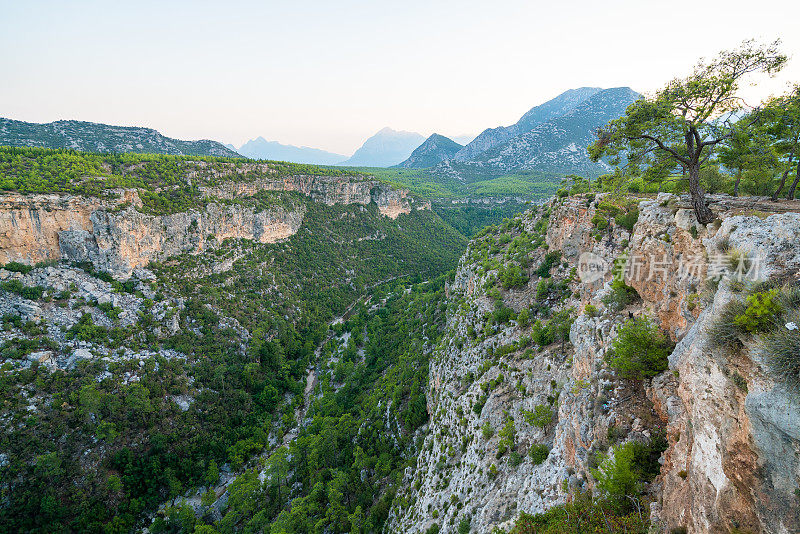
(492, 137)
(435, 149)
(555, 143)
(96, 137)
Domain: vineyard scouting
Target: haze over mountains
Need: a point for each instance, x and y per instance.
(386, 148)
(550, 138)
(260, 148)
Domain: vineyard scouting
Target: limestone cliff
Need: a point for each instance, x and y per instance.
(117, 236)
(732, 428)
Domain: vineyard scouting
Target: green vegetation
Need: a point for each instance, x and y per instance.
(430, 183)
(538, 453)
(550, 259)
(26, 292)
(773, 314)
(620, 296)
(581, 516)
(161, 180)
(618, 501)
(678, 126)
(552, 330)
(101, 451)
(640, 350)
(541, 416)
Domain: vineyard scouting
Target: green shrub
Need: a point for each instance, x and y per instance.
(512, 276)
(463, 525)
(508, 434)
(581, 516)
(616, 477)
(487, 430)
(538, 453)
(628, 219)
(86, 330)
(17, 267)
(540, 416)
(26, 292)
(502, 313)
(524, 318)
(599, 221)
(550, 259)
(591, 310)
(620, 295)
(762, 309)
(492, 471)
(640, 350)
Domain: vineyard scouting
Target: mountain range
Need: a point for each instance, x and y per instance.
(260, 148)
(549, 138)
(95, 137)
(559, 105)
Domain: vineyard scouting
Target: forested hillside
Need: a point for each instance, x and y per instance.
(94, 137)
(128, 384)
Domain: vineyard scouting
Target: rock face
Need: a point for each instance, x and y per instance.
(94, 137)
(734, 456)
(732, 428)
(329, 190)
(117, 237)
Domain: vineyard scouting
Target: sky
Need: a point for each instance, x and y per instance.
(330, 74)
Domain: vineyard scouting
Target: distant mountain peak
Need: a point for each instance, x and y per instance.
(385, 148)
(260, 148)
(435, 149)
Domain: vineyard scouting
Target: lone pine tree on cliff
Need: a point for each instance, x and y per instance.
(682, 123)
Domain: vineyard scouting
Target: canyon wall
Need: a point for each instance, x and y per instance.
(732, 428)
(118, 237)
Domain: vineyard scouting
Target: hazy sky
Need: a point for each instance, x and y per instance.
(330, 73)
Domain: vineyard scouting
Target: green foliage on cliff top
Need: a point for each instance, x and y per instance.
(40, 170)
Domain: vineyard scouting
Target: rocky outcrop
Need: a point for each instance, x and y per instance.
(117, 236)
(329, 190)
(119, 242)
(732, 427)
(734, 455)
(461, 471)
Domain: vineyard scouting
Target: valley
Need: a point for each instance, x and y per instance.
(585, 320)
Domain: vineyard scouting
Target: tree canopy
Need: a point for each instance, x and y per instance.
(680, 125)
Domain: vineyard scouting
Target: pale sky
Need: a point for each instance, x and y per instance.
(328, 74)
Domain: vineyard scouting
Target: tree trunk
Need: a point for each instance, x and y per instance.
(783, 178)
(701, 210)
(790, 194)
(736, 185)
